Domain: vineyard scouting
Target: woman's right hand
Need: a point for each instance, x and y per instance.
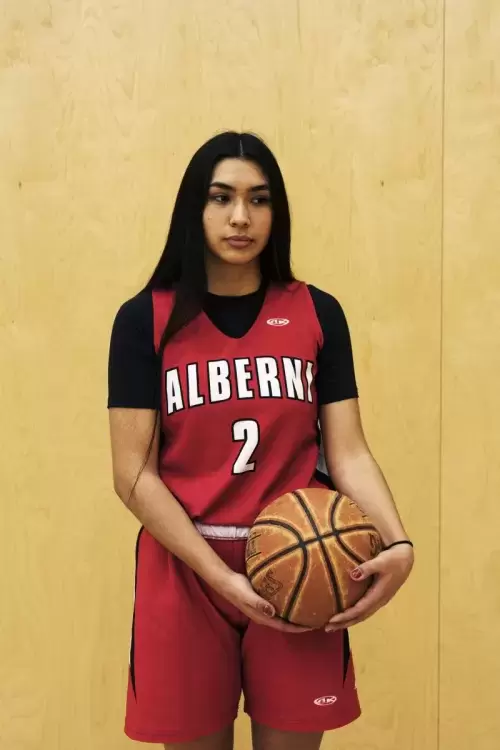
(238, 590)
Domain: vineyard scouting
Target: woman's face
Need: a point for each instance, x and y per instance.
(238, 216)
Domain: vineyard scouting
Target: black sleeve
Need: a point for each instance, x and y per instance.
(133, 368)
(336, 379)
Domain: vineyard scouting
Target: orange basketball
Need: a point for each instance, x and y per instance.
(301, 550)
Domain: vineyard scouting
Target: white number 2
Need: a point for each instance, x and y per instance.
(246, 431)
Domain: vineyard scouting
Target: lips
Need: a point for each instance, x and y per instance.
(239, 241)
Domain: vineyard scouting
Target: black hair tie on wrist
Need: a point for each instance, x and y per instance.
(402, 541)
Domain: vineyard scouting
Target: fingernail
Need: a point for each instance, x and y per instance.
(357, 574)
(268, 610)
(330, 628)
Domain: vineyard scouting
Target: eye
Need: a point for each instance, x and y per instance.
(219, 198)
(261, 200)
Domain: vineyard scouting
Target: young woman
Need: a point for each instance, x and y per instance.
(231, 383)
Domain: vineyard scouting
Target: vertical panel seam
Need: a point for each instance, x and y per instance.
(441, 377)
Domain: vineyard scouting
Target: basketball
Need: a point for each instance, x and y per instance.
(301, 550)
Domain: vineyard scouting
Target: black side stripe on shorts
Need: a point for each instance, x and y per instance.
(324, 479)
(132, 639)
(346, 655)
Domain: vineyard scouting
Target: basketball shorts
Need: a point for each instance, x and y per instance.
(193, 654)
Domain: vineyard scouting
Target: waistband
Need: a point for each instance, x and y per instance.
(223, 532)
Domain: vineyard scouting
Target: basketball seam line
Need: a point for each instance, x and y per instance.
(352, 555)
(334, 532)
(326, 558)
(338, 534)
(333, 511)
(277, 556)
(298, 585)
(302, 544)
(305, 563)
(347, 550)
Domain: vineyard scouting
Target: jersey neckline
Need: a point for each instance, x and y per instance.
(264, 290)
(233, 297)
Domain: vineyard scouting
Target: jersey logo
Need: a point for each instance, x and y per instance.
(326, 700)
(278, 322)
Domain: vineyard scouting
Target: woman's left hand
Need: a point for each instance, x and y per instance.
(390, 570)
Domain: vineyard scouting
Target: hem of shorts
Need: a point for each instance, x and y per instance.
(306, 725)
(166, 736)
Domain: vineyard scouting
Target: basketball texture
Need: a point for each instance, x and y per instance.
(301, 550)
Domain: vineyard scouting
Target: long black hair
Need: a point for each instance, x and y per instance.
(181, 266)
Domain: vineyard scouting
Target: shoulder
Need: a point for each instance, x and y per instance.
(329, 309)
(326, 308)
(132, 366)
(135, 314)
(133, 326)
(324, 302)
(336, 377)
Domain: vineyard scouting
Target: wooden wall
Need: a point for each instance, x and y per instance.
(385, 120)
(470, 468)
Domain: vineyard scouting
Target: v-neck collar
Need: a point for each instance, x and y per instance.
(260, 296)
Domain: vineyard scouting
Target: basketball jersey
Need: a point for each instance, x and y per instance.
(239, 416)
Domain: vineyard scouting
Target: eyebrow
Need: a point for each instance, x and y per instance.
(254, 189)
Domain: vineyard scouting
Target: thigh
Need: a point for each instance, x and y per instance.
(301, 683)
(266, 738)
(219, 741)
(185, 665)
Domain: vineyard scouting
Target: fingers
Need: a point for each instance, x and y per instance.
(388, 574)
(276, 623)
(287, 627)
(354, 621)
(256, 608)
(375, 598)
(367, 569)
(266, 615)
(394, 561)
(261, 606)
(369, 600)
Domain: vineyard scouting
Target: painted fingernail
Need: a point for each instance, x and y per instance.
(268, 610)
(357, 574)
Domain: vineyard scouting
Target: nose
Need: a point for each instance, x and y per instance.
(240, 216)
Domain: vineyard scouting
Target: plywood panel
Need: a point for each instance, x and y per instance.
(470, 599)
(367, 199)
(103, 105)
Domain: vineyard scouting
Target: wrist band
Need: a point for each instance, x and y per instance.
(402, 541)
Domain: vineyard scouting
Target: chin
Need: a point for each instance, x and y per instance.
(237, 257)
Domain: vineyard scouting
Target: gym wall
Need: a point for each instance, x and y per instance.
(384, 117)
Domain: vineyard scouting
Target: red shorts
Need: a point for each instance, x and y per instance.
(192, 653)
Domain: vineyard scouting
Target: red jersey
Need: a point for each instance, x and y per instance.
(240, 415)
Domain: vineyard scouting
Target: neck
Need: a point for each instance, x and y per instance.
(233, 281)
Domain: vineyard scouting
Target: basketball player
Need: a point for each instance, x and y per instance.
(231, 383)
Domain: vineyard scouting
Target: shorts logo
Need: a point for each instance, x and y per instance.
(326, 700)
(278, 322)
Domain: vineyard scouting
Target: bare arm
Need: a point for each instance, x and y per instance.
(357, 475)
(151, 502)
(355, 471)
(165, 519)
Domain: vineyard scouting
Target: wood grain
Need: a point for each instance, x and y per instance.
(470, 558)
(103, 105)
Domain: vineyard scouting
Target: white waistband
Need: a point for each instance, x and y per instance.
(223, 532)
